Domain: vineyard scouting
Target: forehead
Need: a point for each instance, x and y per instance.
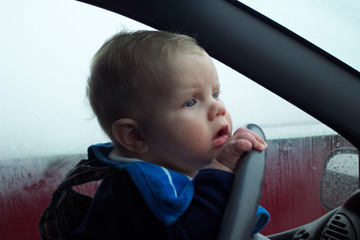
(187, 74)
(194, 70)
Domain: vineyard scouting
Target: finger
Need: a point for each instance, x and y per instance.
(230, 155)
(241, 146)
(253, 137)
(249, 136)
(245, 130)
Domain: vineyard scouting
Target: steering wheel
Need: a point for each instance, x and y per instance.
(240, 215)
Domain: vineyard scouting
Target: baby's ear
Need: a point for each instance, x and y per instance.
(127, 132)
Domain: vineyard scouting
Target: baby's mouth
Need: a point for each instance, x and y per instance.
(223, 131)
(221, 136)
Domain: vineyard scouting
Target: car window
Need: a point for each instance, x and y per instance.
(45, 55)
(43, 105)
(331, 25)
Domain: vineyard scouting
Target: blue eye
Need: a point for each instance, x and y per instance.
(190, 103)
(215, 95)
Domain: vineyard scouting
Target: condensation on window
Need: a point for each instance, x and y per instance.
(340, 177)
(46, 50)
(248, 102)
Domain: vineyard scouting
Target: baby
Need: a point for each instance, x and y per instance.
(157, 96)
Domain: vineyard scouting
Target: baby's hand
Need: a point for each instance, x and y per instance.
(242, 141)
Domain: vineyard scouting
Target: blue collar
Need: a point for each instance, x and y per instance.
(166, 192)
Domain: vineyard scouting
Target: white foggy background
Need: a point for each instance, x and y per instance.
(46, 47)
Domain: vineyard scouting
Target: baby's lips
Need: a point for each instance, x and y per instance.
(221, 136)
(220, 141)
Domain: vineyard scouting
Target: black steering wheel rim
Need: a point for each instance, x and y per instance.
(240, 215)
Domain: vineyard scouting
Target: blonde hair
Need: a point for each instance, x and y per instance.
(127, 64)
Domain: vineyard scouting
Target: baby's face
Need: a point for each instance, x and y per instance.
(189, 123)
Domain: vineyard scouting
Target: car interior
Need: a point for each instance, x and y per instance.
(260, 49)
(273, 57)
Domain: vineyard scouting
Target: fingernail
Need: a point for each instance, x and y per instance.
(263, 146)
(260, 146)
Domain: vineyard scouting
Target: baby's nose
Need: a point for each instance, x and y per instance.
(216, 109)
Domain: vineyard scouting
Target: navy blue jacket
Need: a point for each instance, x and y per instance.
(118, 211)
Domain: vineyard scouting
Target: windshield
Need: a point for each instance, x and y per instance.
(330, 24)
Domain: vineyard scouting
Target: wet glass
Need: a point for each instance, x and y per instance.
(340, 177)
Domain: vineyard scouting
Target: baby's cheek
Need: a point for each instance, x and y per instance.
(191, 136)
(201, 140)
(229, 120)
